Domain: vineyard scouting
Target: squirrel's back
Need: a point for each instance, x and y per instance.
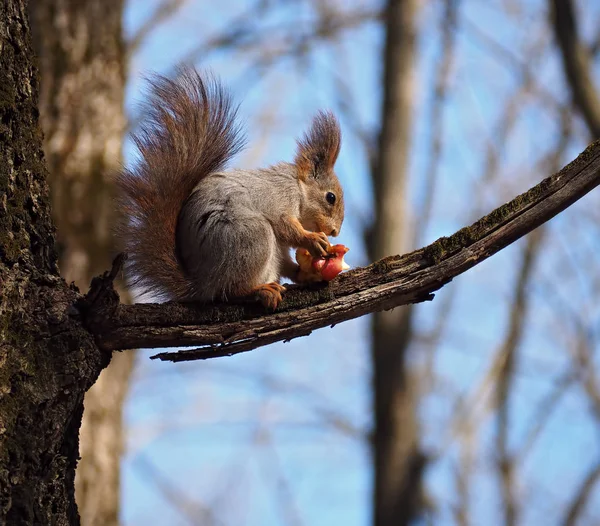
(189, 131)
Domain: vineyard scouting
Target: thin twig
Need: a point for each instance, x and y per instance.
(506, 465)
(194, 512)
(582, 495)
(162, 13)
(436, 125)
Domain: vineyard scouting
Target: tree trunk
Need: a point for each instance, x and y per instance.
(82, 69)
(47, 360)
(398, 461)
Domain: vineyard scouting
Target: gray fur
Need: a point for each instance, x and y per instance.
(225, 236)
(194, 231)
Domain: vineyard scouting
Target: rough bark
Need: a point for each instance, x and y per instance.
(47, 360)
(398, 462)
(82, 69)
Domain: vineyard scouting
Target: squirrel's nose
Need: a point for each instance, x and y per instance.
(334, 232)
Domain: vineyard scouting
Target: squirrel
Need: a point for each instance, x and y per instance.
(194, 231)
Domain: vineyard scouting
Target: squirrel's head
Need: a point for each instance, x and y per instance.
(322, 208)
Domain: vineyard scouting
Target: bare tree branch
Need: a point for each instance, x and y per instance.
(543, 412)
(463, 475)
(281, 40)
(449, 32)
(162, 13)
(583, 358)
(518, 315)
(520, 67)
(193, 512)
(228, 329)
(398, 462)
(274, 475)
(576, 63)
(582, 495)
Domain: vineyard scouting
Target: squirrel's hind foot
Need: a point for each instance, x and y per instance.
(269, 294)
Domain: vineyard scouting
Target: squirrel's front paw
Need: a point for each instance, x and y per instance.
(317, 244)
(269, 294)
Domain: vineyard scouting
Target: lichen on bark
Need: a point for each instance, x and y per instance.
(468, 235)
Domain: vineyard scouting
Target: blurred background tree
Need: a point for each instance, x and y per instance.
(82, 63)
(481, 407)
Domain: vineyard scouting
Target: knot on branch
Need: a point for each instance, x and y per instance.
(102, 300)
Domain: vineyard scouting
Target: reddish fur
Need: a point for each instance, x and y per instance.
(190, 132)
(320, 147)
(290, 231)
(270, 294)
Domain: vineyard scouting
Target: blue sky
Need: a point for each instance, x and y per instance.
(278, 436)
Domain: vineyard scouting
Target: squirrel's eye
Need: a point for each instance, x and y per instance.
(330, 198)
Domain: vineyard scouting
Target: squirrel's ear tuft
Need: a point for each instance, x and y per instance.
(319, 148)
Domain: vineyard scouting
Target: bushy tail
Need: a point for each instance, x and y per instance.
(188, 132)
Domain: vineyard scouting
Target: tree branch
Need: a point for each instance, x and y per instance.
(582, 496)
(227, 329)
(163, 12)
(577, 64)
